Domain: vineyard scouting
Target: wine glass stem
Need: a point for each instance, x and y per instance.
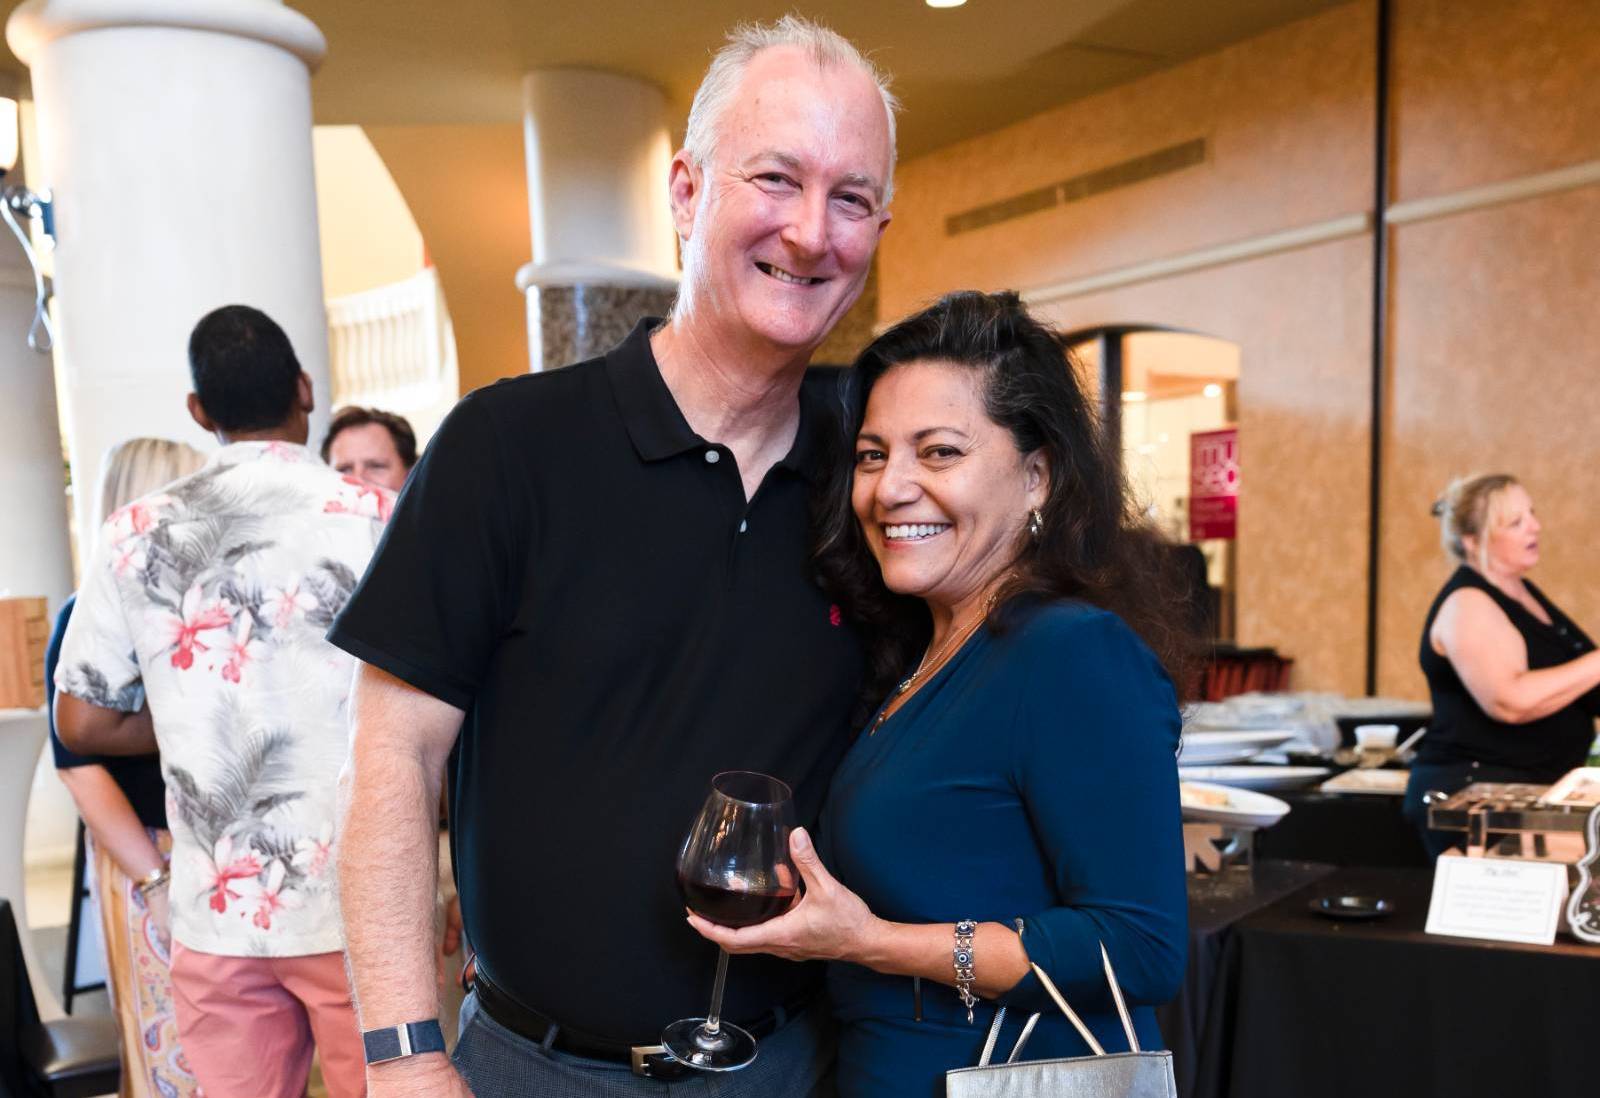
(714, 1015)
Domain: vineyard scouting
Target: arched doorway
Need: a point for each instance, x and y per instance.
(1166, 396)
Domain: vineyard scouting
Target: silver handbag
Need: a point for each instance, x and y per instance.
(1132, 1074)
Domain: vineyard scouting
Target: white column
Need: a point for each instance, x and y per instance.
(176, 138)
(22, 734)
(34, 559)
(604, 249)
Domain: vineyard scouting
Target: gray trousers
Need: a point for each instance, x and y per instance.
(794, 1062)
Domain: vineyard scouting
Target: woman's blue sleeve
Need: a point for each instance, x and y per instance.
(1096, 732)
(65, 757)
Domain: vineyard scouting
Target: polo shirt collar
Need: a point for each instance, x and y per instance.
(655, 423)
(652, 417)
(805, 457)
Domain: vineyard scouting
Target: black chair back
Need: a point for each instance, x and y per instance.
(18, 1010)
(66, 1058)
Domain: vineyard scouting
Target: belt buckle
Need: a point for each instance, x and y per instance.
(653, 1062)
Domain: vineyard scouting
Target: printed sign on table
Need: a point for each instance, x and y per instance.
(1502, 899)
(1213, 484)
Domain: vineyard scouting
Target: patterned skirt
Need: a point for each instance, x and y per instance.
(139, 964)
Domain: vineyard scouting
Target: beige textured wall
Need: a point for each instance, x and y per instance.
(1493, 349)
(467, 189)
(1301, 321)
(1288, 118)
(1485, 90)
(369, 238)
(1498, 372)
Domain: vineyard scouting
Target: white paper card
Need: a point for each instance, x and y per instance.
(1497, 898)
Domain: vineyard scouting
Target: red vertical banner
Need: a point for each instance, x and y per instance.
(1213, 484)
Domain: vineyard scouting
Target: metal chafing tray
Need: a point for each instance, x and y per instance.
(1505, 806)
(1498, 818)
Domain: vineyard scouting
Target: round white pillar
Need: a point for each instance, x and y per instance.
(175, 136)
(34, 558)
(604, 249)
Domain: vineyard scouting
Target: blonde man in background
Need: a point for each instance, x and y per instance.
(122, 802)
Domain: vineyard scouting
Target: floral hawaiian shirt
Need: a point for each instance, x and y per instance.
(210, 598)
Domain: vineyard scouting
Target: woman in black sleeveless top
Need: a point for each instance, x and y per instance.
(1515, 683)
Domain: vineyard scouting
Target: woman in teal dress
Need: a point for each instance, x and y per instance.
(1014, 798)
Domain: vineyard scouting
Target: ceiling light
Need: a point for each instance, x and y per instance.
(1213, 390)
(945, 3)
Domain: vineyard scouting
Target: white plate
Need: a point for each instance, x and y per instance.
(1236, 745)
(1239, 712)
(1580, 788)
(1389, 782)
(1245, 808)
(1255, 777)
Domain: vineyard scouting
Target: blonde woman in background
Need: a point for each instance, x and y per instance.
(1515, 682)
(122, 802)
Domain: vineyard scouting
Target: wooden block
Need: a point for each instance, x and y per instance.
(24, 633)
(1200, 851)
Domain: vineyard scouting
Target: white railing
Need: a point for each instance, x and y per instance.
(393, 348)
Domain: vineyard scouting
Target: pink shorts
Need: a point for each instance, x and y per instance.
(248, 1024)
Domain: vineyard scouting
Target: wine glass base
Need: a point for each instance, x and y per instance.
(729, 1049)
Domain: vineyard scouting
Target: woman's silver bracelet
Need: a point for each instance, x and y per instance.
(961, 955)
(152, 881)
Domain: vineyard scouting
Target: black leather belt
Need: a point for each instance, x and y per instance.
(647, 1060)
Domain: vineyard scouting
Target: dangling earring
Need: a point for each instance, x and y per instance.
(1035, 523)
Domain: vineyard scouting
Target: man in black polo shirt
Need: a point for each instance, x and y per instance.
(598, 578)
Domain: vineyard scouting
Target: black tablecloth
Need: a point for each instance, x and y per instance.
(1307, 1007)
(1346, 829)
(1215, 903)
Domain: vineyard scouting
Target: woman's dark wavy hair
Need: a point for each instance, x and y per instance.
(1094, 545)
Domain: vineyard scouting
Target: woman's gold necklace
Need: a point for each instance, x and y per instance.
(929, 665)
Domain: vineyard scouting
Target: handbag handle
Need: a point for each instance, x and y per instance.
(1072, 1016)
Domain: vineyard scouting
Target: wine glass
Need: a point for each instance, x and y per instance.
(733, 869)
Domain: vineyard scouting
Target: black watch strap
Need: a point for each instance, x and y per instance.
(411, 1039)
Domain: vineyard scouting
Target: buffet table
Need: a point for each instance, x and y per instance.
(1304, 1006)
(1345, 829)
(1216, 904)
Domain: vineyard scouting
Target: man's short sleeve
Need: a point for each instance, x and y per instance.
(97, 663)
(444, 580)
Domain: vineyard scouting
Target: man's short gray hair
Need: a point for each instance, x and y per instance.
(826, 47)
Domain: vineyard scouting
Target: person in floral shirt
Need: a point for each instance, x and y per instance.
(199, 628)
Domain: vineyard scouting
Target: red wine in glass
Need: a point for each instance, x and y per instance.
(733, 869)
(734, 907)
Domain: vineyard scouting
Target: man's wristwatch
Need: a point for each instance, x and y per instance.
(411, 1039)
